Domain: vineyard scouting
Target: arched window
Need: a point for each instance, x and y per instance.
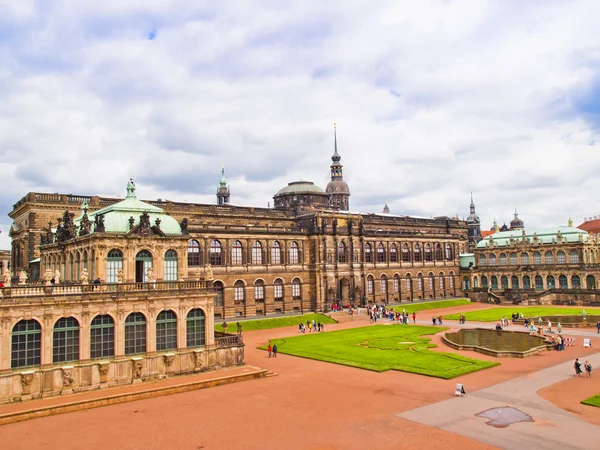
(341, 252)
(484, 282)
(494, 282)
(575, 282)
(218, 287)
(475, 282)
(504, 282)
(514, 281)
(513, 259)
(65, 340)
(441, 281)
(482, 260)
(102, 337)
(275, 253)
(451, 280)
(368, 255)
(238, 292)
(259, 291)
(537, 258)
(71, 268)
(278, 290)
(539, 283)
(563, 283)
(428, 256)
(492, 260)
(561, 257)
(408, 283)
(143, 262)
(193, 253)
(449, 252)
(417, 253)
(502, 259)
(256, 253)
(77, 267)
(216, 255)
(296, 289)
(114, 263)
(524, 259)
(170, 265)
(380, 253)
(166, 331)
(396, 284)
(26, 344)
(550, 282)
(383, 284)
(405, 253)
(370, 285)
(236, 254)
(573, 257)
(526, 282)
(135, 333)
(294, 259)
(420, 283)
(438, 252)
(590, 281)
(195, 328)
(431, 278)
(549, 258)
(393, 253)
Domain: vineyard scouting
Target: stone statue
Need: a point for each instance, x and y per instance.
(56, 276)
(120, 276)
(208, 273)
(48, 277)
(184, 226)
(150, 274)
(83, 278)
(7, 278)
(22, 277)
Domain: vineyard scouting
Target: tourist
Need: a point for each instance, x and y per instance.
(588, 369)
(504, 321)
(434, 319)
(239, 329)
(440, 320)
(415, 321)
(322, 327)
(299, 328)
(559, 328)
(577, 366)
(598, 326)
(498, 327)
(270, 350)
(562, 343)
(274, 350)
(526, 323)
(309, 323)
(53, 282)
(224, 326)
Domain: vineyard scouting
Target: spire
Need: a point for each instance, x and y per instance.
(336, 156)
(472, 205)
(223, 180)
(386, 209)
(223, 190)
(516, 213)
(131, 189)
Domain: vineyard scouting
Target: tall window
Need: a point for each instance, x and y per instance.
(484, 282)
(492, 260)
(590, 281)
(278, 290)
(238, 291)
(482, 260)
(494, 282)
(513, 259)
(438, 253)
(368, 255)
(341, 253)
(548, 258)
(275, 253)
(396, 283)
(524, 259)
(408, 282)
(514, 281)
(502, 259)
(370, 285)
(219, 288)
(449, 253)
(576, 282)
(537, 258)
(102, 337)
(451, 280)
(135, 334)
(420, 282)
(539, 283)
(526, 282)
(551, 283)
(216, 255)
(431, 278)
(195, 328)
(393, 253)
(561, 257)
(380, 253)
(294, 259)
(405, 253)
(166, 331)
(563, 282)
(383, 284)
(236, 254)
(170, 265)
(26, 345)
(296, 289)
(504, 282)
(574, 257)
(193, 252)
(65, 340)
(417, 253)
(256, 253)
(114, 263)
(259, 291)
(428, 256)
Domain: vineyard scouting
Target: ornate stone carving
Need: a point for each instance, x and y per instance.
(26, 380)
(84, 276)
(56, 276)
(208, 273)
(120, 276)
(99, 224)
(137, 368)
(169, 359)
(103, 371)
(48, 277)
(198, 360)
(7, 278)
(22, 277)
(67, 376)
(150, 274)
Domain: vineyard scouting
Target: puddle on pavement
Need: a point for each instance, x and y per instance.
(504, 416)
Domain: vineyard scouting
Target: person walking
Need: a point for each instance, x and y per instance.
(274, 350)
(440, 320)
(270, 350)
(598, 326)
(415, 318)
(577, 366)
(588, 369)
(433, 320)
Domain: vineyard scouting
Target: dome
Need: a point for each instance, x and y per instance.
(516, 223)
(300, 187)
(337, 187)
(472, 218)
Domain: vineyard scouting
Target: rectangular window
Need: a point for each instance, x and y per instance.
(102, 341)
(296, 290)
(369, 286)
(396, 284)
(259, 293)
(166, 335)
(170, 270)
(135, 338)
(112, 268)
(65, 345)
(278, 292)
(383, 286)
(294, 255)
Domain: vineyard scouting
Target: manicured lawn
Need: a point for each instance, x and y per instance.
(592, 401)
(495, 314)
(416, 307)
(381, 348)
(277, 322)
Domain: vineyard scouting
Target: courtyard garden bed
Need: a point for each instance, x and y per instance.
(592, 401)
(381, 348)
(496, 314)
(275, 322)
(425, 306)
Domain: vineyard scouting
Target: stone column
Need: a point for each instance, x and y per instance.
(84, 337)
(210, 325)
(151, 332)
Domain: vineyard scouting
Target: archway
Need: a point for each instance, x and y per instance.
(345, 291)
(143, 261)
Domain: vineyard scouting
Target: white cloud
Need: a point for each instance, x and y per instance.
(433, 99)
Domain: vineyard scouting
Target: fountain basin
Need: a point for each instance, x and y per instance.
(567, 321)
(500, 344)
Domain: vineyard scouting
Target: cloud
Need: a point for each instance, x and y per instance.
(433, 100)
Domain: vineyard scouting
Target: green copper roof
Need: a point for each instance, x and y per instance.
(543, 235)
(223, 180)
(300, 187)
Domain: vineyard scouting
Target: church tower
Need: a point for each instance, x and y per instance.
(473, 227)
(337, 189)
(223, 189)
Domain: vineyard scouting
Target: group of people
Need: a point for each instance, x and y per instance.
(311, 325)
(272, 349)
(437, 320)
(558, 342)
(587, 366)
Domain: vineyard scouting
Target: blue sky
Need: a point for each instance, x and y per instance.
(433, 100)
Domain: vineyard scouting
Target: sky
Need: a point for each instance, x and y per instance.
(433, 100)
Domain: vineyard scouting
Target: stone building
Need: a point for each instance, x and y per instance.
(473, 227)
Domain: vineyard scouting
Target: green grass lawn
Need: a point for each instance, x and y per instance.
(276, 322)
(592, 401)
(416, 307)
(381, 348)
(495, 314)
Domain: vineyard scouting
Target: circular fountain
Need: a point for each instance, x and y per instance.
(501, 344)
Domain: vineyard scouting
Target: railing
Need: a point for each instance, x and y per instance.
(232, 340)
